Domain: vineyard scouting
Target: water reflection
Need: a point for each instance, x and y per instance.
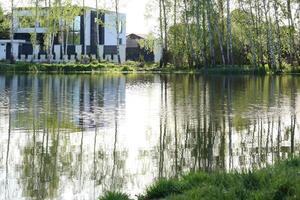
(75, 136)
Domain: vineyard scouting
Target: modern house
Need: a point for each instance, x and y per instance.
(82, 37)
(135, 52)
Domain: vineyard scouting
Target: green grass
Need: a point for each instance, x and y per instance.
(132, 67)
(114, 196)
(278, 182)
(281, 181)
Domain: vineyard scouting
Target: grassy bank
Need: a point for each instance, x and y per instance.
(131, 67)
(281, 181)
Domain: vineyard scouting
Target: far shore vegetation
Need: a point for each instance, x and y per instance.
(136, 67)
(281, 181)
(198, 34)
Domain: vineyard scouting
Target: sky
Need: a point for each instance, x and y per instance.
(135, 14)
(134, 9)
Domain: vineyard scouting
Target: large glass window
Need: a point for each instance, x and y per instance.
(120, 27)
(74, 32)
(77, 23)
(26, 22)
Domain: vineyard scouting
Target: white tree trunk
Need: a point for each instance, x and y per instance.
(12, 59)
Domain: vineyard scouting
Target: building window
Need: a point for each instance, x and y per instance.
(120, 41)
(26, 22)
(77, 23)
(120, 27)
(74, 32)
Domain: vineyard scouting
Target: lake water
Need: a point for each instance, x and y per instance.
(75, 136)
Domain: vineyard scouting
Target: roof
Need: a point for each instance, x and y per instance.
(136, 36)
(86, 7)
(14, 41)
(133, 38)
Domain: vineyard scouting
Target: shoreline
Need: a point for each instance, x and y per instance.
(135, 68)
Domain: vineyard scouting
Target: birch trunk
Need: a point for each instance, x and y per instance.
(84, 27)
(198, 32)
(220, 44)
(97, 30)
(211, 45)
(165, 25)
(161, 32)
(61, 31)
(175, 32)
(67, 38)
(259, 31)
(12, 59)
(35, 30)
(229, 35)
(278, 34)
(204, 50)
(291, 35)
(271, 61)
(117, 29)
(253, 32)
(188, 34)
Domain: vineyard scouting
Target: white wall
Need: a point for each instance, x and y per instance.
(87, 31)
(15, 49)
(122, 50)
(157, 52)
(110, 28)
(2, 51)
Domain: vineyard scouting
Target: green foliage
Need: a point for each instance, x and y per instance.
(202, 33)
(127, 69)
(148, 43)
(281, 181)
(130, 66)
(164, 188)
(4, 25)
(114, 196)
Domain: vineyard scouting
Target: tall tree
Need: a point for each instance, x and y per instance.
(36, 20)
(97, 29)
(118, 28)
(229, 35)
(188, 35)
(12, 59)
(210, 32)
(69, 13)
(291, 31)
(278, 33)
(84, 26)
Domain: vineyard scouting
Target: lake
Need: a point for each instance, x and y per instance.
(76, 136)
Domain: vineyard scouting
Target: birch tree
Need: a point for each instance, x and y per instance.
(229, 35)
(37, 20)
(69, 14)
(118, 29)
(12, 59)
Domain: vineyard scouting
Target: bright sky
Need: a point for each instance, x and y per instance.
(134, 9)
(135, 12)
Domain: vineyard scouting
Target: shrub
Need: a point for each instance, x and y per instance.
(114, 196)
(164, 188)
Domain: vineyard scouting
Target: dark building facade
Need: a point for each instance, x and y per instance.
(133, 50)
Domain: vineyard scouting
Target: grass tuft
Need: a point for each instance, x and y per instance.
(114, 196)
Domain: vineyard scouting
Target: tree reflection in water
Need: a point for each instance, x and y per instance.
(76, 136)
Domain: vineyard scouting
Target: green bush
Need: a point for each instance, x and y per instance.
(114, 196)
(164, 188)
